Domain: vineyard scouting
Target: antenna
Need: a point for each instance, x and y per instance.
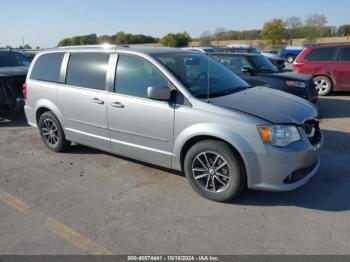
(208, 82)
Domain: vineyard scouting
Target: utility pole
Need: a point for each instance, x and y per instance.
(23, 42)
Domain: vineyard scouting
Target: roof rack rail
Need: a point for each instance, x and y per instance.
(336, 43)
(88, 46)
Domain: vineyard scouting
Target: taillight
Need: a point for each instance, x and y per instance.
(24, 91)
(297, 66)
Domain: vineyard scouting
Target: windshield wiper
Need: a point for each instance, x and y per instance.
(266, 71)
(228, 91)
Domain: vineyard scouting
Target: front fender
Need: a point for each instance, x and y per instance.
(242, 144)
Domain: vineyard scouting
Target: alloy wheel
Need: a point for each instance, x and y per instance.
(49, 131)
(321, 85)
(211, 171)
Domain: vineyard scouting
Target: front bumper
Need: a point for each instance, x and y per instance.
(284, 169)
(312, 98)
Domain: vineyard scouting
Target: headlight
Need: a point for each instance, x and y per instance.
(298, 84)
(279, 135)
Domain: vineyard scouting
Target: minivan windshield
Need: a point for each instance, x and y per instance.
(201, 75)
(11, 59)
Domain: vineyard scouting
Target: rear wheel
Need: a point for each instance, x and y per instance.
(323, 85)
(214, 171)
(52, 133)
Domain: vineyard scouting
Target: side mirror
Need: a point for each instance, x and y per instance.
(161, 93)
(248, 70)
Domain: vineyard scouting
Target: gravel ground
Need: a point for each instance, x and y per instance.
(88, 202)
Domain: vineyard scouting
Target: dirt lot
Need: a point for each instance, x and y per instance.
(89, 202)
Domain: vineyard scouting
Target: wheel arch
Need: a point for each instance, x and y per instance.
(237, 143)
(325, 75)
(43, 106)
(196, 139)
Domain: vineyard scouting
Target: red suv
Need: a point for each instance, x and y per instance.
(329, 65)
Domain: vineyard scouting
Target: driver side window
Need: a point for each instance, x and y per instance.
(134, 75)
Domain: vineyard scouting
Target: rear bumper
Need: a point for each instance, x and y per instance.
(312, 99)
(30, 115)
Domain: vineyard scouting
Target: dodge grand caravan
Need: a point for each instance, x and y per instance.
(177, 109)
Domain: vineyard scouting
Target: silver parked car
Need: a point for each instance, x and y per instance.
(177, 109)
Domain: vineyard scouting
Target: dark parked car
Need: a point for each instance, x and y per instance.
(257, 70)
(329, 66)
(13, 72)
(275, 60)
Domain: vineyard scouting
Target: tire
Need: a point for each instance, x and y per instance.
(290, 59)
(229, 179)
(52, 133)
(323, 85)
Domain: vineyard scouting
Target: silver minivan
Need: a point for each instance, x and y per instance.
(177, 109)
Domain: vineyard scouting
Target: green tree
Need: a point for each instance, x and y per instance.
(88, 39)
(75, 40)
(122, 38)
(64, 42)
(176, 40)
(103, 39)
(344, 30)
(274, 32)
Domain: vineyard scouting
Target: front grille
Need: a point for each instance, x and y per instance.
(299, 174)
(313, 131)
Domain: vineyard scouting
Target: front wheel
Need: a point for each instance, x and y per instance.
(323, 85)
(214, 171)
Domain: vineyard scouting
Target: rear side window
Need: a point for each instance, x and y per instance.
(87, 70)
(47, 67)
(134, 75)
(344, 54)
(321, 54)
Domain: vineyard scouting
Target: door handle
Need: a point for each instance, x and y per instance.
(97, 101)
(117, 104)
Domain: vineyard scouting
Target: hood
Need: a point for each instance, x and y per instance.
(13, 71)
(290, 76)
(272, 105)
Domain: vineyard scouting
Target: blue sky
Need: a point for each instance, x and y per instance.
(44, 22)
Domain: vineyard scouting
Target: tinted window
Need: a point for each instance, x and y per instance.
(10, 59)
(235, 63)
(321, 54)
(134, 75)
(47, 67)
(203, 76)
(263, 64)
(87, 70)
(344, 54)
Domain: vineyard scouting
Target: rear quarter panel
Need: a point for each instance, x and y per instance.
(41, 95)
